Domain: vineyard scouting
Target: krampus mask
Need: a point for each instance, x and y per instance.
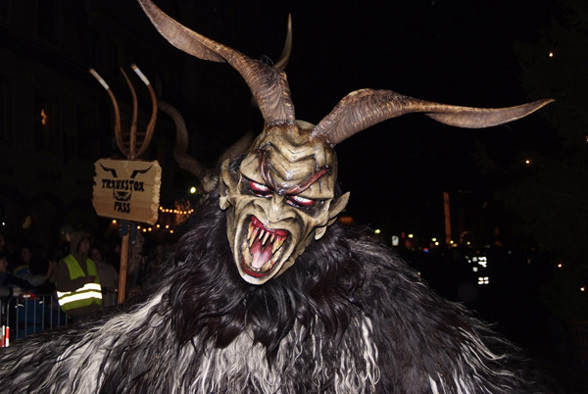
(283, 194)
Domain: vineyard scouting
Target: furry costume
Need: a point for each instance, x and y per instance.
(268, 294)
(350, 317)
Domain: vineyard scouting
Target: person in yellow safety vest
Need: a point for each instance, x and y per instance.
(78, 286)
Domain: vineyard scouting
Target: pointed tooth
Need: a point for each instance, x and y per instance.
(260, 233)
(273, 238)
(275, 247)
(265, 237)
(278, 244)
(253, 236)
(250, 231)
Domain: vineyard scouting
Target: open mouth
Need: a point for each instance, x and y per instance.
(261, 249)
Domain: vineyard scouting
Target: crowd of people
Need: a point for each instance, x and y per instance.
(78, 276)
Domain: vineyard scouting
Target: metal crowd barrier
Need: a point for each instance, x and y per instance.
(29, 314)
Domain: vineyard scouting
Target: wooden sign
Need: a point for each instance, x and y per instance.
(127, 190)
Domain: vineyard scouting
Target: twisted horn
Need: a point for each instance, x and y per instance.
(364, 108)
(268, 85)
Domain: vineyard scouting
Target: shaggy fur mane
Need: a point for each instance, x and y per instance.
(322, 286)
(348, 316)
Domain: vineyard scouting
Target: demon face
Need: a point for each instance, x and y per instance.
(282, 197)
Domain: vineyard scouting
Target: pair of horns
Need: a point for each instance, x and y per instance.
(356, 112)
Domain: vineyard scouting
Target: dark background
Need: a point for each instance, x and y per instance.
(455, 52)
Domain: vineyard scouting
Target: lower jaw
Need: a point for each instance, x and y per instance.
(250, 272)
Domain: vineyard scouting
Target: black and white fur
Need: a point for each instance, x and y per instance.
(348, 317)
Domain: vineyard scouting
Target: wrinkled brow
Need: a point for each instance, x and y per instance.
(266, 168)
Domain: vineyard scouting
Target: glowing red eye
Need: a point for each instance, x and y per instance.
(298, 200)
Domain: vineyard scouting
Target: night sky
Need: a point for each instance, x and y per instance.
(453, 51)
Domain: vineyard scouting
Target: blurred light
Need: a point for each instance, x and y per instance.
(346, 219)
(43, 117)
(560, 265)
(582, 288)
(434, 239)
(527, 161)
(395, 240)
(437, 243)
(474, 269)
(483, 280)
(193, 190)
(483, 261)
(377, 231)
(410, 235)
(551, 54)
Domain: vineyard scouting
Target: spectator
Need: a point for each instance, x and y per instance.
(47, 265)
(108, 276)
(24, 260)
(78, 284)
(12, 285)
(33, 314)
(11, 251)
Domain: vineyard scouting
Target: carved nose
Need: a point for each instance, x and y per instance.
(276, 208)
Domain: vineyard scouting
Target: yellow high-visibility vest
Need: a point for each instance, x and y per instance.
(88, 294)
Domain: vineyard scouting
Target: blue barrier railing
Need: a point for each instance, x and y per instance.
(29, 314)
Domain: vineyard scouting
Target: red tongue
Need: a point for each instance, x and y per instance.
(261, 254)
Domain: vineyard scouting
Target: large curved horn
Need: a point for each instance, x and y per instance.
(268, 85)
(287, 50)
(364, 108)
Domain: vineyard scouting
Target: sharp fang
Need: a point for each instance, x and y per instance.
(273, 237)
(278, 244)
(253, 236)
(250, 231)
(265, 237)
(261, 233)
